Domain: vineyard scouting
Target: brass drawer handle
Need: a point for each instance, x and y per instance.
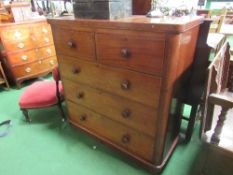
(71, 44)
(24, 57)
(126, 113)
(44, 30)
(49, 51)
(125, 139)
(125, 53)
(51, 62)
(46, 39)
(125, 85)
(80, 95)
(28, 70)
(76, 70)
(20, 45)
(83, 117)
(18, 34)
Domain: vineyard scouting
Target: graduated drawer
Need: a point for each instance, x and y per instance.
(138, 51)
(119, 135)
(22, 57)
(74, 43)
(133, 85)
(127, 112)
(43, 40)
(45, 52)
(42, 29)
(19, 45)
(35, 67)
(15, 34)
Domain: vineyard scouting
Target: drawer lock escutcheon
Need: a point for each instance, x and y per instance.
(76, 70)
(83, 117)
(125, 139)
(126, 113)
(125, 85)
(80, 95)
(20, 45)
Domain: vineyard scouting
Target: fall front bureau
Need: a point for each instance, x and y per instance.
(27, 50)
(122, 77)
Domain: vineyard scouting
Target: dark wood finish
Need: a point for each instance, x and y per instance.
(28, 50)
(3, 79)
(217, 90)
(113, 91)
(141, 7)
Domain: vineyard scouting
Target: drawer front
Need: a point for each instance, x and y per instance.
(130, 140)
(43, 40)
(34, 68)
(15, 34)
(22, 57)
(42, 29)
(129, 113)
(18, 46)
(46, 52)
(139, 87)
(74, 43)
(133, 50)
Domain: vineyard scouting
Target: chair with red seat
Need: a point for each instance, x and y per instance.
(43, 94)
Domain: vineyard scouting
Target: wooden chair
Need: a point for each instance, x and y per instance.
(218, 19)
(43, 94)
(219, 91)
(3, 79)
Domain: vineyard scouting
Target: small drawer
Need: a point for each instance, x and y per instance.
(127, 112)
(22, 57)
(136, 86)
(19, 34)
(42, 30)
(43, 40)
(45, 52)
(115, 133)
(143, 52)
(74, 43)
(34, 68)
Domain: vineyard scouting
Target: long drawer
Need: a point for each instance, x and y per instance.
(133, 85)
(138, 51)
(129, 139)
(35, 67)
(75, 43)
(129, 113)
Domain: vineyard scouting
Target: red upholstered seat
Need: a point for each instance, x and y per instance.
(46, 90)
(43, 94)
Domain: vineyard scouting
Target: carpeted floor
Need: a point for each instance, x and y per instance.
(49, 147)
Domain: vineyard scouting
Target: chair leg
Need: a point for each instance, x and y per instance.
(26, 115)
(191, 123)
(61, 112)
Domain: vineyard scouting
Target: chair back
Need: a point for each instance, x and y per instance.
(218, 17)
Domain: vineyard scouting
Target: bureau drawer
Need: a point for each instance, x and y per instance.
(46, 52)
(34, 68)
(74, 43)
(42, 29)
(43, 40)
(15, 34)
(133, 85)
(138, 51)
(22, 57)
(129, 139)
(129, 113)
(18, 46)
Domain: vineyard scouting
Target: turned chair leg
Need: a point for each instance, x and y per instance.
(61, 111)
(26, 115)
(215, 138)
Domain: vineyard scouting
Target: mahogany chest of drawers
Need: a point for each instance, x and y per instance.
(121, 78)
(27, 50)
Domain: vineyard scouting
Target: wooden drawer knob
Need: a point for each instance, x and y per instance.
(126, 113)
(125, 53)
(125, 138)
(80, 95)
(76, 70)
(125, 85)
(71, 44)
(83, 117)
